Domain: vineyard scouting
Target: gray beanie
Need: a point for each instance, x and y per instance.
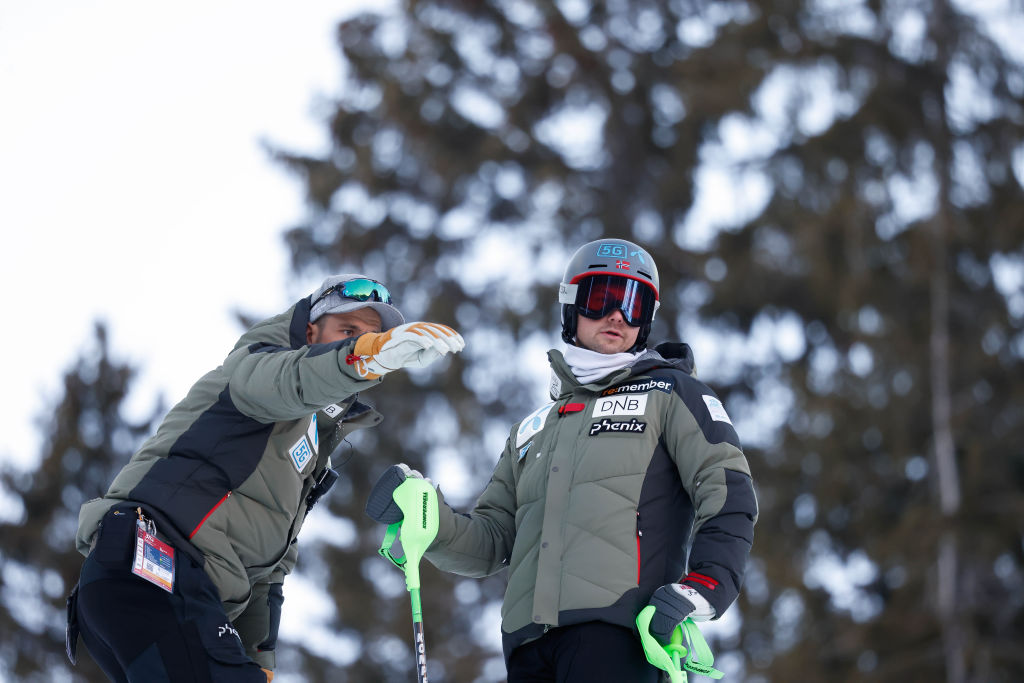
(336, 303)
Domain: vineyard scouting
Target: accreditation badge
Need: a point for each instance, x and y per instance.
(154, 559)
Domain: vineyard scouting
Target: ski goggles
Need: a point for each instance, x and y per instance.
(600, 295)
(360, 289)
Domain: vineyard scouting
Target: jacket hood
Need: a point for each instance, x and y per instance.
(676, 355)
(287, 330)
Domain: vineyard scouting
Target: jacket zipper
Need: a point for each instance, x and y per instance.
(212, 510)
(639, 533)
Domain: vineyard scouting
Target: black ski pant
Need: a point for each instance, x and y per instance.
(138, 632)
(591, 652)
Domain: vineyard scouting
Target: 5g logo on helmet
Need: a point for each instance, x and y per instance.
(612, 250)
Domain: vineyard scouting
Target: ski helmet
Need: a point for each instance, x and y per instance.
(604, 260)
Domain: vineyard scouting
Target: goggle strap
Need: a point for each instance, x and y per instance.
(374, 293)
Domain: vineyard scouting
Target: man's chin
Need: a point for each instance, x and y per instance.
(610, 348)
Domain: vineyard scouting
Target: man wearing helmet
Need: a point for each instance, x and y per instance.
(187, 550)
(600, 494)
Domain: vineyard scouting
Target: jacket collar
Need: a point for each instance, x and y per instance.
(674, 355)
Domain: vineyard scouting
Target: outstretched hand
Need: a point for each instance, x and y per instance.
(412, 345)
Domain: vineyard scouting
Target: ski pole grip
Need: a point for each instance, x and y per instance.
(658, 656)
(418, 501)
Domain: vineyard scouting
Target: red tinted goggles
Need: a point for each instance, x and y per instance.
(599, 295)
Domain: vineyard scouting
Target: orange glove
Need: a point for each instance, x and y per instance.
(412, 345)
(269, 673)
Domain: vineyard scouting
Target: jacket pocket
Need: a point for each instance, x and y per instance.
(116, 540)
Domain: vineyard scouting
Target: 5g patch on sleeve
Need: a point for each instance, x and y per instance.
(305, 449)
(301, 453)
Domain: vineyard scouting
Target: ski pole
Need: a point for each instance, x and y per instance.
(677, 658)
(418, 501)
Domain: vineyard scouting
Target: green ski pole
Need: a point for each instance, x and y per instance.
(418, 502)
(677, 658)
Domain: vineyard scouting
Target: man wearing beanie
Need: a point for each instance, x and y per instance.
(187, 551)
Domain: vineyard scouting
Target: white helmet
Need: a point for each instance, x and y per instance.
(607, 275)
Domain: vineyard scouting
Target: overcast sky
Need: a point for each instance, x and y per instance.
(133, 186)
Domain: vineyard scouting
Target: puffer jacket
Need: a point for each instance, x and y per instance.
(229, 473)
(598, 495)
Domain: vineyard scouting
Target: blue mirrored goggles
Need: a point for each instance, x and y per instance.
(361, 289)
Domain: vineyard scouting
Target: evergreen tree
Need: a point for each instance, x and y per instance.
(86, 441)
(883, 236)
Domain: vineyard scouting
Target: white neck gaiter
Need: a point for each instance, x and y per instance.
(589, 366)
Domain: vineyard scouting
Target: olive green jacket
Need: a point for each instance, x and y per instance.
(232, 466)
(598, 495)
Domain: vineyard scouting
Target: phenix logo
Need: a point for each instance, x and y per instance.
(227, 628)
(607, 425)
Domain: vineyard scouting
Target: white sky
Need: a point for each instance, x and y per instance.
(133, 186)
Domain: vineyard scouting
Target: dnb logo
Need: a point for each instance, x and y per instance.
(612, 250)
(620, 404)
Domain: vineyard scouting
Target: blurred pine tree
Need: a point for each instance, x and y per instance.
(87, 440)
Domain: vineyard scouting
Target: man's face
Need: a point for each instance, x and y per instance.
(339, 326)
(610, 334)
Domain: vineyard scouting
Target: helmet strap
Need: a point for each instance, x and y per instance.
(569, 323)
(641, 338)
